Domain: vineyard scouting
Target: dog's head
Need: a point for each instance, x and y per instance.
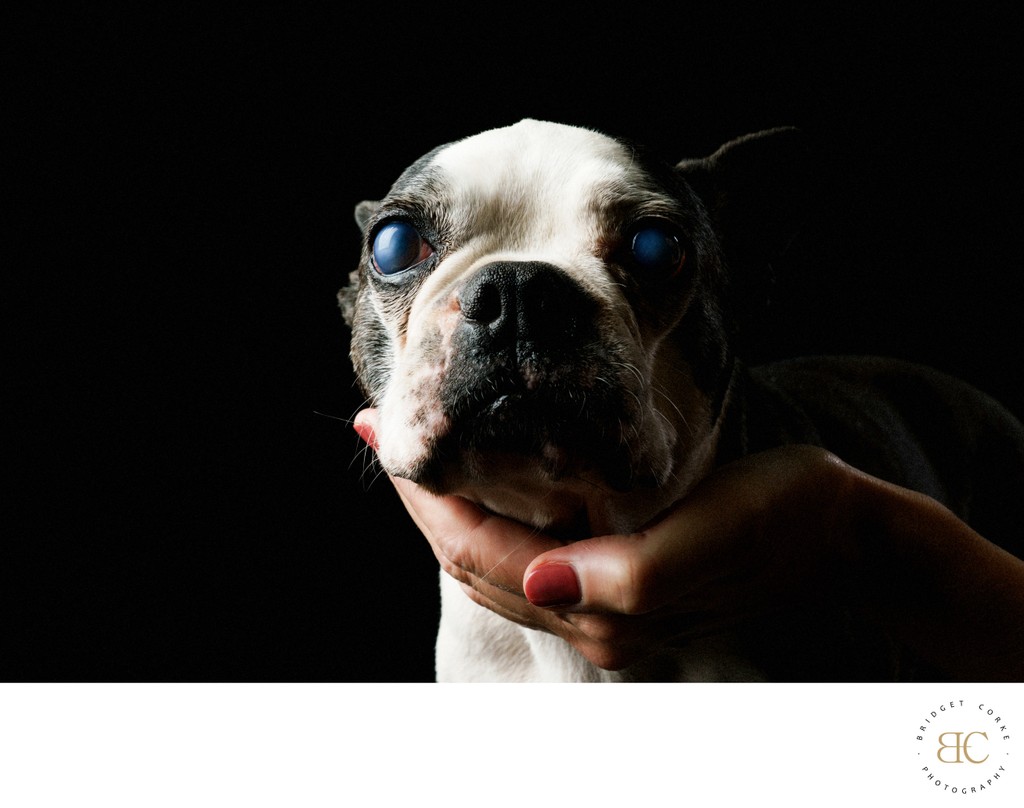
(545, 318)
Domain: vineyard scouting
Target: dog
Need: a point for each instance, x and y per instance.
(547, 319)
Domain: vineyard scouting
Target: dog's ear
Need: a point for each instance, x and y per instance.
(364, 213)
(349, 294)
(757, 189)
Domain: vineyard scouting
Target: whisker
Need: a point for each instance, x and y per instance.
(661, 392)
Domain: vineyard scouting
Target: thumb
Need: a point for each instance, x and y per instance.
(603, 574)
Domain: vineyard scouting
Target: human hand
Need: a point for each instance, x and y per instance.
(760, 534)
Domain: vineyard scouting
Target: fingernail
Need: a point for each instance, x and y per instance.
(365, 431)
(553, 585)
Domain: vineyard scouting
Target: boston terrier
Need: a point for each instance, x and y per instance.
(547, 320)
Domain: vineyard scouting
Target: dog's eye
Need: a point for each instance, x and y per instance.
(398, 246)
(655, 249)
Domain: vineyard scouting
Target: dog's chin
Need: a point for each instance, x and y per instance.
(534, 458)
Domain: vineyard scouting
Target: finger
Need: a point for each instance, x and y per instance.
(606, 574)
(609, 641)
(709, 550)
(463, 535)
(365, 425)
(515, 609)
(679, 559)
(490, 547)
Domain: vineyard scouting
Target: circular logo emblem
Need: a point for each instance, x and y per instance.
(963, 747)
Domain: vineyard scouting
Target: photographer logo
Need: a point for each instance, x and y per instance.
(964, 747)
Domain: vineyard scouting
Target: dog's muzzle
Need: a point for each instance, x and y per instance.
(530, 377)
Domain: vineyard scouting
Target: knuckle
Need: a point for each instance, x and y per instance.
(606, 657)
(456, 571)
(604, 631)
(633, 587)
(481, 599)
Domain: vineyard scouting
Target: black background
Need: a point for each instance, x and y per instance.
(190, 502)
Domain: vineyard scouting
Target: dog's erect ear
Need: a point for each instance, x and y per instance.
(757, 190)
(364, 212)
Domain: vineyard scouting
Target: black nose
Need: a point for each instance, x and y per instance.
(526, 304)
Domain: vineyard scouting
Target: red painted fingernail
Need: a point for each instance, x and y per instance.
(365, 431)
(553, 585)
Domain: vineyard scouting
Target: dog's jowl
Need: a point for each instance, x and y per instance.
(547, 319)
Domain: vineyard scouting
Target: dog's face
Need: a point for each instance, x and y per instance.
(540, 316)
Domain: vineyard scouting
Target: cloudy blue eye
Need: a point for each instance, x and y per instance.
(398, 246)
(655, 249)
